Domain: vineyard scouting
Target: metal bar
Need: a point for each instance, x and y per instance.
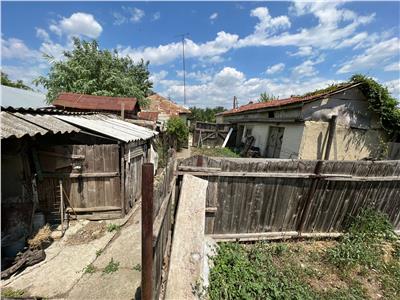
(147, 231)
(331, 133)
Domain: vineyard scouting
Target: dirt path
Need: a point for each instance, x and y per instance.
(62, 275)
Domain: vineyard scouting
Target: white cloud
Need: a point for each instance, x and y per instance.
(166, 53)
(303, 51)
(13, 48)
(395, 67)
(131, 14)
(394, 87)
(158, 76)
(372, 57)
(306, 68)
(276, 68)
(25, 73)
(42, 34)
(76, 25)
(213, 16)
(156, 16)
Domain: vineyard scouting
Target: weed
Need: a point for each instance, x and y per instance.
(89, 269)
(137, 267)
(11, 293)
(99, 252)
(111, 267)
(113, 227)
(214, 152)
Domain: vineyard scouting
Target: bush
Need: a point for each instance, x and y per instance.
(177, 131)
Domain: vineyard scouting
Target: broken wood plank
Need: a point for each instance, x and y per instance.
(83, 175)
(92, 209)
(198, 169)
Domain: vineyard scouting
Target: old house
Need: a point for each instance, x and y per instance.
(56, 164)
(298, 127)
(126, 107)
(161, 109)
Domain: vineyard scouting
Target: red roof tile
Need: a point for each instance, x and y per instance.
(282, 102)
(91, 102)
(148, 115)
(163, 105)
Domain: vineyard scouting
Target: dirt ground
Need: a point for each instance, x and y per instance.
(89, 262)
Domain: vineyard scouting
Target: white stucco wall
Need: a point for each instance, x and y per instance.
(292, 137)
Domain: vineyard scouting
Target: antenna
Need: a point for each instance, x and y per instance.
(183, 36)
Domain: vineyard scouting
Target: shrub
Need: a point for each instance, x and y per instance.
(177, 131)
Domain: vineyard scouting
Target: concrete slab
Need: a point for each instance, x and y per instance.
(187, 254)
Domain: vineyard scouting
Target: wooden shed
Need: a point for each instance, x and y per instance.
(90, 163)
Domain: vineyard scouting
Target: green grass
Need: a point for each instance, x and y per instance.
(214, 152)
(137, 267)
(361, 265)
(99, 252)
(11, 293)
(111, 267)
(89, 269)
(113, 227)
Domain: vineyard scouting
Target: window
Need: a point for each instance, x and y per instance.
(271, 114)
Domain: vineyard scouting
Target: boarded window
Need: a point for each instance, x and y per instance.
(275, 141)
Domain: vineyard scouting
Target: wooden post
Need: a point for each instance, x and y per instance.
(199, 162)
(61, 206)
(147, 231)
(310, 194)
(331, 133)
(123, 111)
(123, 177)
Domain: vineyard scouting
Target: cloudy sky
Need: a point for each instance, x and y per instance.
(232, 48)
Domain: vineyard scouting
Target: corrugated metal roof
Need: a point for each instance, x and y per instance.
(112, 127)
(18, 125)
(92, 102)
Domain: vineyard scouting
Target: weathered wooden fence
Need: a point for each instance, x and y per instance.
(209, 134)
(274, 195)
(161, 214)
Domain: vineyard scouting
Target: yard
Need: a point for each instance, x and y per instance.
(363, 264)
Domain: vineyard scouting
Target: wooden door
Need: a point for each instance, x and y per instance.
(274, 144)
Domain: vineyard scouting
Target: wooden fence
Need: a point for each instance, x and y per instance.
(161, 215)
(275, 195)
(209, 134)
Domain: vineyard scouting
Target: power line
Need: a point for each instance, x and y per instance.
(183, 36)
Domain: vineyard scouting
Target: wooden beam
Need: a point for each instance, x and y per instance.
(211, 209)
(84, 175)
(198, 169)
(92, 209)
(72, 156)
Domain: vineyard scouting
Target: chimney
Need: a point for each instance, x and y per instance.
(235, 104)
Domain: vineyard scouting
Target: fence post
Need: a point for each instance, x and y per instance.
(147, 231)
(310, 194)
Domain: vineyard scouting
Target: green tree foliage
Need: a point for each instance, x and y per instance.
(178, 131)
(205, 114)
(19, 84)
(88, 70)
(381, 101)
(264, 97)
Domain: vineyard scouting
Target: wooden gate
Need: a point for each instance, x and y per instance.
(275, 142)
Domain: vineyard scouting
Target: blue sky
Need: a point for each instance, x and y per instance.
(233, 48)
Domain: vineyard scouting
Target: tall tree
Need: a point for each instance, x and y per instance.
(264, 97)
(88, 70)
(19, 84)
(205, 114)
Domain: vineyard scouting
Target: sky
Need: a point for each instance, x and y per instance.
(232, 48)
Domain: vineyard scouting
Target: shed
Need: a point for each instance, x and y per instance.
(92, 162)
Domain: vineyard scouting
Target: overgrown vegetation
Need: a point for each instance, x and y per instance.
(204, 114)
(364, 264)
(264, 97)
(19, 84)
(89, 70)
(89, 269)
(177, 131)
(113, 227)
(137, 267)
(112, 267)
(11, 293)
(379, 98)
(214, 152)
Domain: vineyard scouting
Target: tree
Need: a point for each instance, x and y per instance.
(264, 97)
(88, 70)
(178, 131)
(205, 114)
(19, 84)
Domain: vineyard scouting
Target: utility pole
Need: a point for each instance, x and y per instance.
(183, 36)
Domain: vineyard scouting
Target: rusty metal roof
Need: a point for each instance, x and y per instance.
(19, 125)
(91, 102)
(110, 126)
